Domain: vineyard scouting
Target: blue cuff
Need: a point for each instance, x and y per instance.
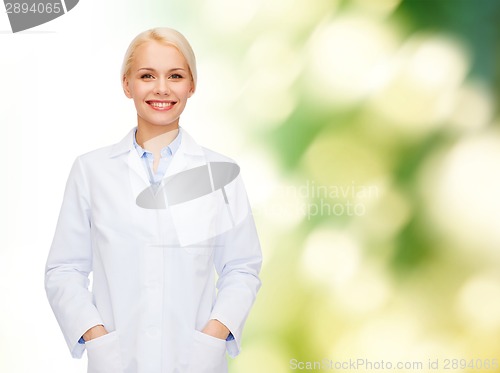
(81, 341)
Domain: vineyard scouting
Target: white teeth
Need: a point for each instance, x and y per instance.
(160, 105)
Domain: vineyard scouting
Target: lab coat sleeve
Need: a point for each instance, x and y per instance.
(70, 262)
(238, 261)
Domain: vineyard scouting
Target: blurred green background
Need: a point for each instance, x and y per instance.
(368, 135)
(377, 195)
(373, 168)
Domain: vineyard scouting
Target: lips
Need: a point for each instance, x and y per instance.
(161, 105)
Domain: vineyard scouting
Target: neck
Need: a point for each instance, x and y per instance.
(154, 138)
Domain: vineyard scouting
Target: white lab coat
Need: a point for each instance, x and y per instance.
(154, 284)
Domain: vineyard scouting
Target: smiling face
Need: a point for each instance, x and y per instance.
(160, 83)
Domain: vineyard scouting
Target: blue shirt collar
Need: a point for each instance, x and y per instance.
(170, 149)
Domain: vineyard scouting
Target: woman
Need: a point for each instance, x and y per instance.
(151, 217)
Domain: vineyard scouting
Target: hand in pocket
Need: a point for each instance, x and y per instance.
(103, 354)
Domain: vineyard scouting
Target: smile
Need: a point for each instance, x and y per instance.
(161, 105)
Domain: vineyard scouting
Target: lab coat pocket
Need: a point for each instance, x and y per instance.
(208, 354)
(200, 219)
(103, 354)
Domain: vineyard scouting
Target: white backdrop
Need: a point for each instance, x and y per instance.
(60, 96)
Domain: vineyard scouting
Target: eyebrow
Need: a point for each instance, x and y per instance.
(151, 69)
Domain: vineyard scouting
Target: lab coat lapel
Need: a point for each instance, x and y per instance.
(179, 163)
(189, 155)
(126, 148)
(136, 165)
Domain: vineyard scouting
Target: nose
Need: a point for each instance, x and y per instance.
(161, 87)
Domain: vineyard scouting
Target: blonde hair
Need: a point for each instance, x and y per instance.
(166, 36)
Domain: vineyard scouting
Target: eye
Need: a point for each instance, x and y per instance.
(147, 76)
(175, 76)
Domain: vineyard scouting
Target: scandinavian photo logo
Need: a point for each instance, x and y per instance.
(26, 14)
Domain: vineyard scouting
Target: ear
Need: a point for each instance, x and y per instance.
(126, 88)
(191, 90)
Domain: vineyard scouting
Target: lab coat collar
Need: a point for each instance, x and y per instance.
(188, 145)
(189, 155)
(124, 146)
